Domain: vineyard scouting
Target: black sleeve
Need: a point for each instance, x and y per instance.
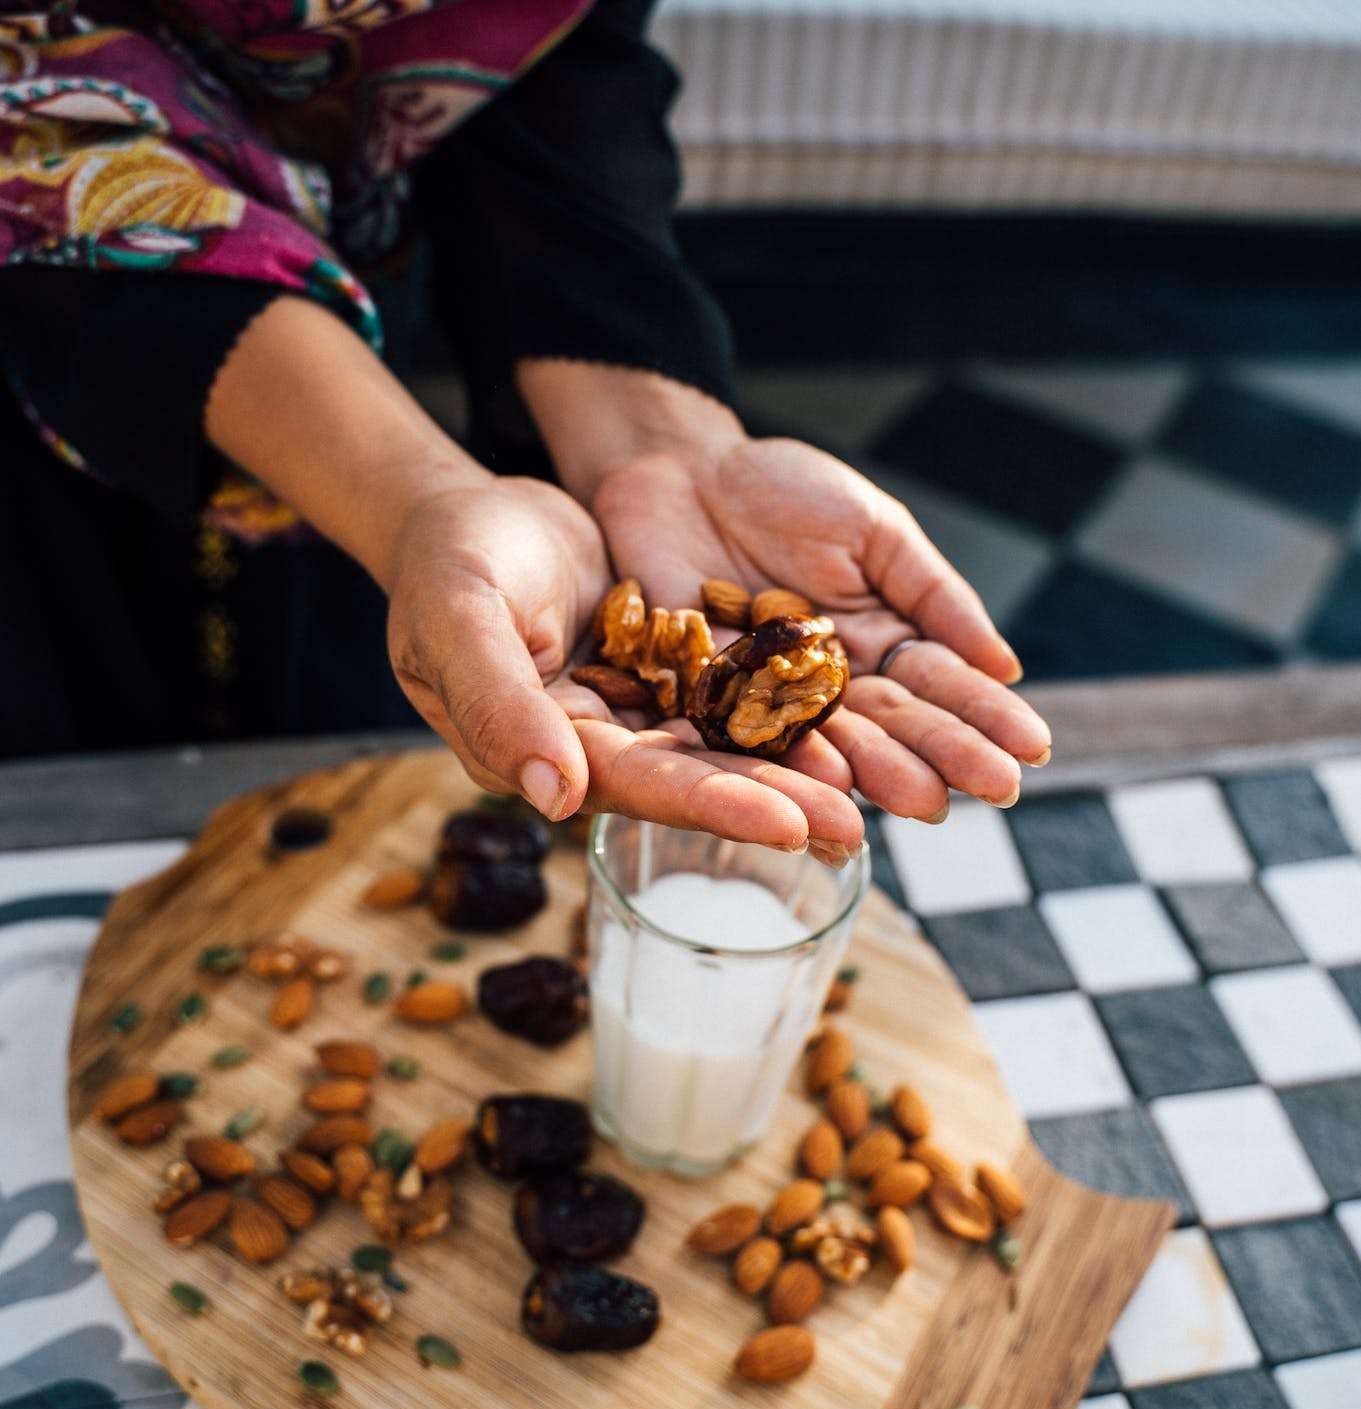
(550, 218)
(119, 364)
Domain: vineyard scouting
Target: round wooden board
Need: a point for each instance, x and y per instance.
(954, 1330)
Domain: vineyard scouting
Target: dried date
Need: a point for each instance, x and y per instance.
(541, 999)
(486, 895)
(577, 1217)
(574, 1307)
(481, 834)
(519, 1137)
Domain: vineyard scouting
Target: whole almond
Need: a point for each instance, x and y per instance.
(896, 1237)
(343, 1096)
(618, 688)
(821, 1151)
(292, 1004)
(901, 1183)
(777, 601)
(756, 1263)
(218, 1158)
(330, 1133)
(726, 603)
(724, 1230)
(434, 1001)
(353, 1165)
(795, 1293)
(833, 1055)
(147, 1124)
(290, 1201)
(775, 1355)
(257, 1232)
(874, 1150)
(308, 1170)
(795, 1204)
(1003, 1189)
(126, 1093)
(910, 1113)
(942, 1165)
(349, 1059)
(394, 889)
(963, 1210)
(196, 1217)
(442, 1145)
(838, 997)
(848, 1107)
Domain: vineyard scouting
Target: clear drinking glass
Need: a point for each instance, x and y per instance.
(710, 963)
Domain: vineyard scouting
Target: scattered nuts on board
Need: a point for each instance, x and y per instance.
(327, 1135)
(875, 1150)
(310, 1171)
(910, 1113)
(197, 1216)
(775, 1355)
(821, 1151)
(395, 889)
(256, 1231)
(796, 1203)
(724, 1230)
(794, 1293)
(442, 1146)
(896, 1237)
(147, 1124)
(944, 1166)
(218, 1159)
(829, 1059)
(340, 1095)
(356, 1059)
(901, 1183)
(963, 1210)
(293, 1003)
(353, 1164)
(756, 1263)
(125, 1094)
(435, 1001)
(848, 1107)
(1003, 1191)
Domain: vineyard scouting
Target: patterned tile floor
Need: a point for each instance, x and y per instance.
(1169, 975)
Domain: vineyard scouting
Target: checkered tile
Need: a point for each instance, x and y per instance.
(1169, 976)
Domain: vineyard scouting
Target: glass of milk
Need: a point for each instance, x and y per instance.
(710, 962)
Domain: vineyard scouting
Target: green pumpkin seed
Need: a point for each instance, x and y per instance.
(395, 1281)
(836, 1190)
(416, 977)
(392, 1150)
(850, 974)
(447, 953)
(127, 1019)
(1006, 1248)
(191, 1008)
(404, 1068)
(179, 1085)
(189, 1297)
(226, 1057)
(319, 1377)
(222, 958)
(435, 1350)
(371, 1257)
(377, 987)
(243, 1123)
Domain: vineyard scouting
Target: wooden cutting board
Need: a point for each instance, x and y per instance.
(954, 1331)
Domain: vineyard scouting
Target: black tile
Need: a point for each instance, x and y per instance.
(1285, 817)
(1336, 627)
(1070, 840)
(882, 871)
(1002, 953)
(1299, 1285)
(1243, 1389)
(1327, 1118)
(1105, 1378)
(1118, 1152)
(1231, 926)
(1083, 622)
(1269, 447)
(1002, 456)
(1174, 1040)
(1349, 981)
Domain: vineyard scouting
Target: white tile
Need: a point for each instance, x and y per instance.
(1228, 553)
(969, 862)
(1330, 389)
(1183, 1320)
(1053, 1054)
(1349, 1216)
(1126, 402)
(1180, 832)
(68, 868)
(1340, 778)
(841, 407)
(1321, 902)
(1105, 1401)
(1117, 937)
(1293, 1023)
(1328, 1382)
(1239, 1156)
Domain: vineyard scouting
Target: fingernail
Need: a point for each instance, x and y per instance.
(831, 854)
(1009, 801)
(1039, 760)
(794, 850)
(544, 787)
(936, 818)
(1017, 669)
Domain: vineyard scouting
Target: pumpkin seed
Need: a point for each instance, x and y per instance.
(1006, 1248)
(127, 1019)
(243, 1123)
(319, 1377)
(394, 1280)
(189, 1297)
(850, 974)
(404, 1068)
(446, 953)
(191, 1008)
(392, 1150)
(226, 1057)
(222, 958)
(416, 977)
(371, 1257)
(377, 987)
(435, 1350)
(179, 1084)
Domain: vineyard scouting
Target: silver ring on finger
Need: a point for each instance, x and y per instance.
(894, 652)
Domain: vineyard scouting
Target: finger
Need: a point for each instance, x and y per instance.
(812, 755)
(578, 702)
(933, 672)
(957, 751)
(888, 774)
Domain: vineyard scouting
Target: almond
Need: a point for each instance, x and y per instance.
(618, 688)
(328, 1135)
(726, 603)
(901, 1183)
(292, 1003)
(777, 601)
(832, 1057)
(795, 1293)
(875, 1150)
(343, 1096)
(963, 1210)
(432, 1002)
(394, 889)
(290, 1201)
(724, 1230)
(308, 1170)
(349, 1059)
(943, 1166)
(795, 1204)
(756, 1264)
(1003, 1189)
(218, 1158)
(774, 1355)
(838, 997)
(257, 1232)
(126, 1093)
(147, 1124)
(442, 1145)
(848, 1107)
(353, 1165)
(910, 1113)
(196, 1217)
(896, 1237)
(821, 1151)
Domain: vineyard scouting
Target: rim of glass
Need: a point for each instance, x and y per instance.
(596, 860)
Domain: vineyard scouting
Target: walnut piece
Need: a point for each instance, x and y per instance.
(666, 649)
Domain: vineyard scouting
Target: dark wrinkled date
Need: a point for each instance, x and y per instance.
(541, 999)
(577, 1217)
(482, 834)
(520, 1137)
(573, 1307)
(485, 895)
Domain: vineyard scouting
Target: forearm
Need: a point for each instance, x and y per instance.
(306, 407)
